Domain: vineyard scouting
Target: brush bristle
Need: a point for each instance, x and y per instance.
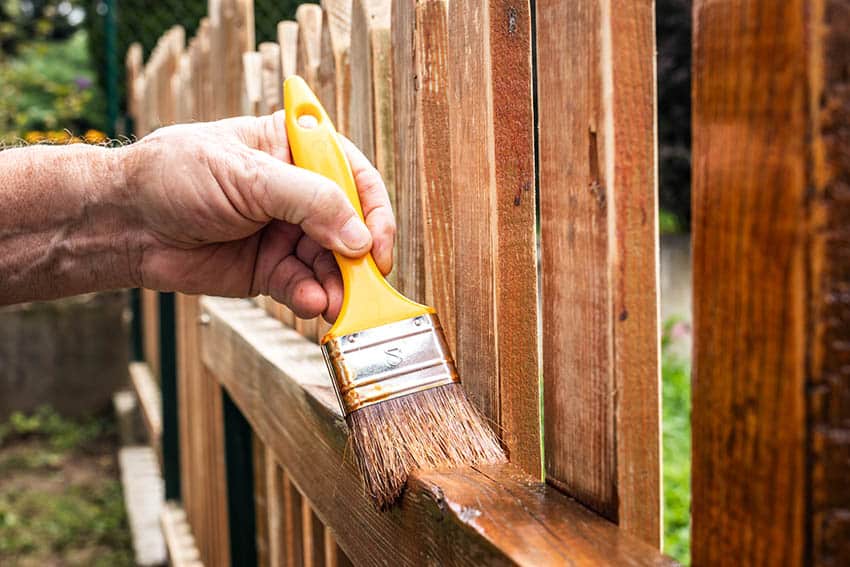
(435, 428)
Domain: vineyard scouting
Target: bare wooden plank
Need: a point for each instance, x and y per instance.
(231, 34)
(598, 211)
(309, 18)
(293, 522)
(493, 516)
(494, 224)
(272, 99)
(134, 68)
(433, 158)
(770, 382)
(334, 76)
(252, 87)
(275, 508)
(150, 401)
(261, 512)
(179, 542)
(150, 329)
(371, 109)
(406, 116)
(308, 56)
(287, 37)
(313, 534)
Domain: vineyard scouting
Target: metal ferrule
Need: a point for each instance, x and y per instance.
(389, 362)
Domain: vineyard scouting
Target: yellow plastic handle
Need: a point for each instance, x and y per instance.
(368, 299)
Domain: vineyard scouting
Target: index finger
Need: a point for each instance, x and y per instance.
(375, 202)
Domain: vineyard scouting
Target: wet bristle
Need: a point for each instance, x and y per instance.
(436, 428)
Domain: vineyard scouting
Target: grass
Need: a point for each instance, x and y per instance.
(60, 498)
(676, 443)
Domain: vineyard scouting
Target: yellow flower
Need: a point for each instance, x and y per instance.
(95, 137)
(34, 137)
(58, 137)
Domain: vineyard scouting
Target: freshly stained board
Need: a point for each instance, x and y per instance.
(485, 516)
(493, 187)
(771, 234)
(598, 241)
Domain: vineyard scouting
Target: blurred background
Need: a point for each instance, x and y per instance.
(62, 81)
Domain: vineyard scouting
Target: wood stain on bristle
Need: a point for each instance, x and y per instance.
(436, 428)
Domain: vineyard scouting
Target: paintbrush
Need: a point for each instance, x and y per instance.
(391, 367)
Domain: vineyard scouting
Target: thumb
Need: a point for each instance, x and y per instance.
(298, 196)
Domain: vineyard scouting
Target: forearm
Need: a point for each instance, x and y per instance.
(67, 223)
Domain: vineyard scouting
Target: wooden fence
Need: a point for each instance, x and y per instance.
(441, 97)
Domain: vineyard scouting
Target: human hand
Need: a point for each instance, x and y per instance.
(226, 213)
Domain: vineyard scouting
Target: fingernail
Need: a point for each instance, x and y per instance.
(354, 234)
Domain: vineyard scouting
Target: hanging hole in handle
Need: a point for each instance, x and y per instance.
(308, 117)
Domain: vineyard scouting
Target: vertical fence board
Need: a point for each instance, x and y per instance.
(771, 277)
(261, 501)
(371, 109)
(275, 506)
(411, 276)
(494, 240)
(292, 522)
(433, 158)
(829, 265)
(634, 268)
(309, 18)
(597, 201)
(334, 70)
(272, 83)
(287, 38)
(313, 534)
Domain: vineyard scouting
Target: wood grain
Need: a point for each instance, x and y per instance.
(252, 83)
(771, 276)
(231, 35)
(272, 99)
(494, 220)
(371, 110)
(287, 37)
(261, 512)
(433, 159)
(276, 513)
(493, 516)
(406, 116)
(829, 265)
(309, 18)
(150, 330)
(292, 519)
(598, 242)
(334, 70)
(313, 533)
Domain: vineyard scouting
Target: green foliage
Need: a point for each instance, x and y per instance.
(676, 443)
(56, 502)
(668, 223)
(49, 86)
(21, 22)
(60, 433)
